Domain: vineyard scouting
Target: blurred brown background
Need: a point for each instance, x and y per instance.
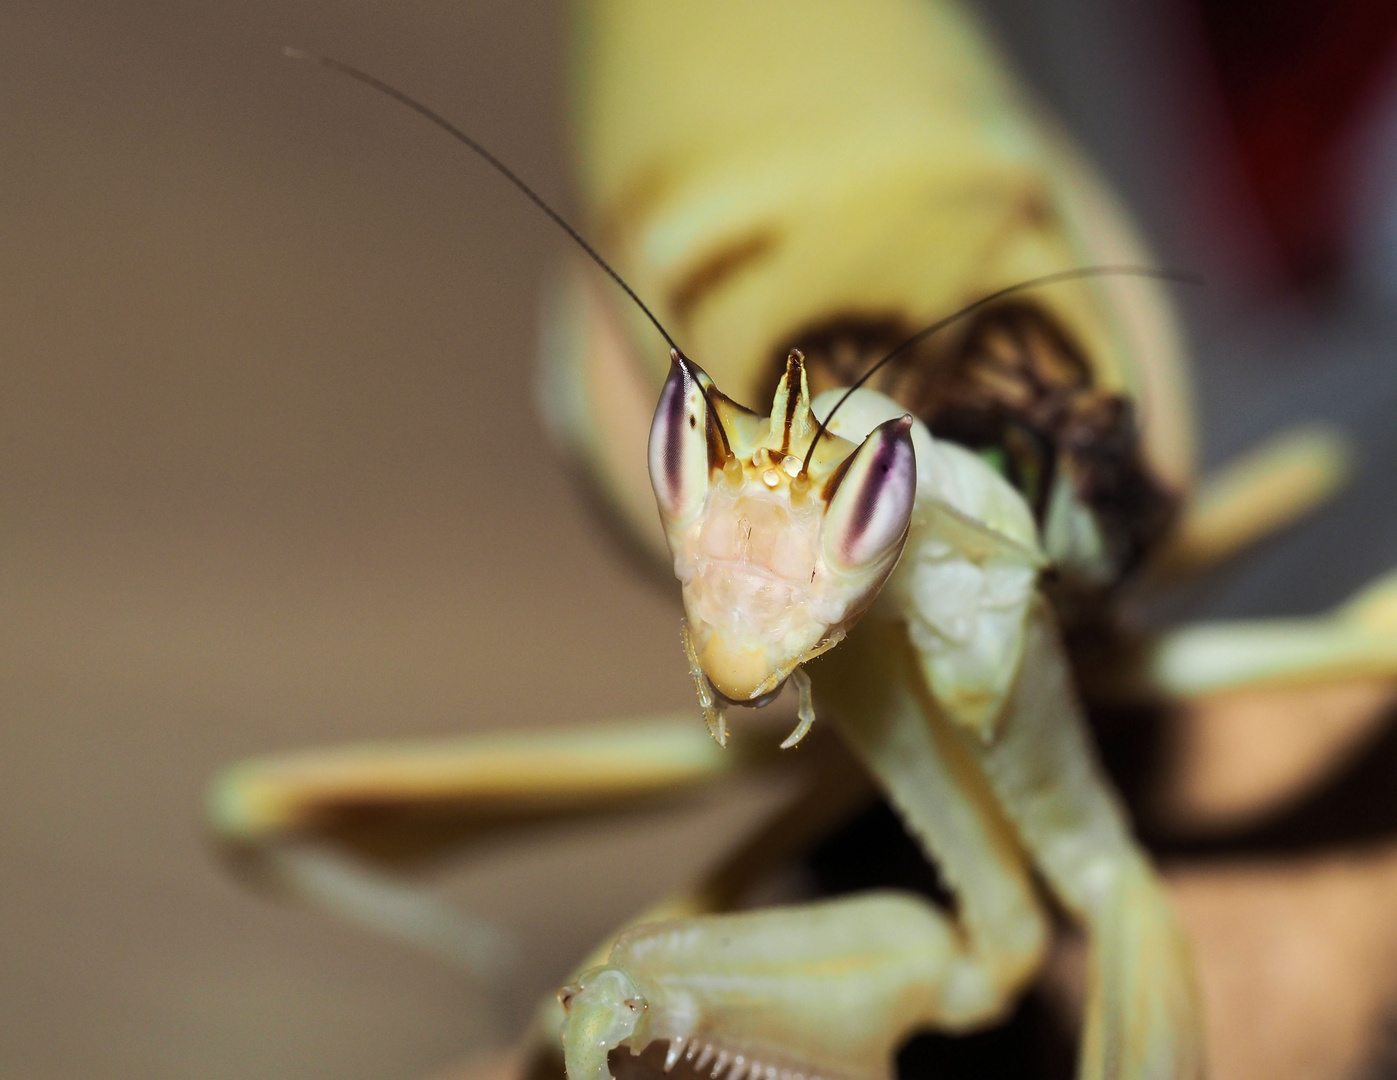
(266, 359)
(266, 352)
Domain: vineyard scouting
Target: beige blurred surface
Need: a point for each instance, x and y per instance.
(271, 477)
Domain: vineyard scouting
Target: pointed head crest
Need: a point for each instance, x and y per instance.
(776, 557)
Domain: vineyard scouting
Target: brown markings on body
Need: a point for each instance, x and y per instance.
(717, 268)
(634, 203)
(794, 362)
(1009, 380)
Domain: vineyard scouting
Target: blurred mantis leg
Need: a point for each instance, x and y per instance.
(1269, 487)
(354, 889)
(1143, 1014)
(1357, 640)
(330, 825)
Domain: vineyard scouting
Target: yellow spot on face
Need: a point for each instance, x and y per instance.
(771, 478)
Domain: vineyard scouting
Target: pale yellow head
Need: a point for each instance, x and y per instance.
(776, 557)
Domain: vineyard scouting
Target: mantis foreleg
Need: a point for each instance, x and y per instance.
(832, 989)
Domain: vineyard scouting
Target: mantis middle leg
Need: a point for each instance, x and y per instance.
(320, 824)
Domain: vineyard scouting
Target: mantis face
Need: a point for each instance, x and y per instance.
(776, 556)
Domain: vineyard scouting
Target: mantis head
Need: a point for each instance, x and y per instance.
(777, 555)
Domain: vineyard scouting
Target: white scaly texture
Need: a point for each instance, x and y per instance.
(967, 575)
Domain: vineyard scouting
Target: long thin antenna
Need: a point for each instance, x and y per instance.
(491, 160)
(1162, 274)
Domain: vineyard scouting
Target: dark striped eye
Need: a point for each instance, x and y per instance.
(868, 516)
(679, 443)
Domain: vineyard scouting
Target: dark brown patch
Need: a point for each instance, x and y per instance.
(835, 478)
(719, 447)
(1382, 1055)
(794, 360)
(635, 202)
(1038, 209)
(1008, 380)
(721, 266)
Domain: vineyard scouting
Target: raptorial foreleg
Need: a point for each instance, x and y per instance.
(823, 991)
(832, 989)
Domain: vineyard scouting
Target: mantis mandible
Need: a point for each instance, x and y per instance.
(797, 192)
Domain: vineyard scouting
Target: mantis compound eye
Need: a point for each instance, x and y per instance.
(871, 508)
(679, 443)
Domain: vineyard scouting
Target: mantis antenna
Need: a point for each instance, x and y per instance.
(1182, 277)
(491, 160)
(388, 90)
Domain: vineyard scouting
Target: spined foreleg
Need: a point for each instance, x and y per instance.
(832, 989)
(826, 990)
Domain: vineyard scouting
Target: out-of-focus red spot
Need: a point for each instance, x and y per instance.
(1295, 75)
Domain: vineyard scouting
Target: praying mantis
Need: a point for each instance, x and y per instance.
(796, 195)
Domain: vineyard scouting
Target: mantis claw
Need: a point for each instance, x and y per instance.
(713, 713)
(805, 711)
(717, 723)
(604, 1009)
